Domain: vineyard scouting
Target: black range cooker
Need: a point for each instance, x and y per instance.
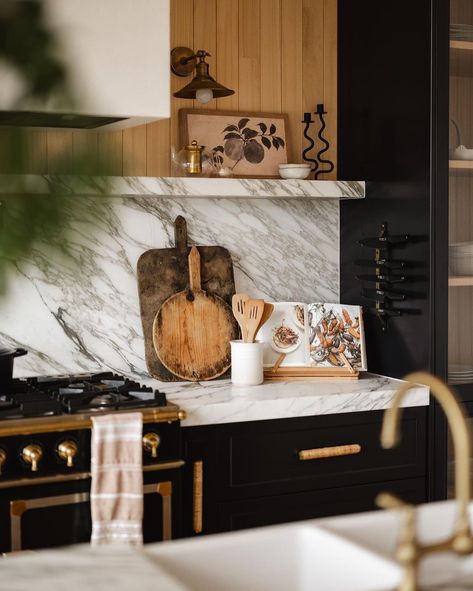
(45, 429)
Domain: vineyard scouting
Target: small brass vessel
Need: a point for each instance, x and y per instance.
(193, 157)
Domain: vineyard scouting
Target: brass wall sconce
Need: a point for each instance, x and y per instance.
(202, 87)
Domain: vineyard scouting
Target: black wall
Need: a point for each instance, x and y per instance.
(384, 116)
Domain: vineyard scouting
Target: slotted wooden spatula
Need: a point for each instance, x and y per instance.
(253, 313)
(239, 301)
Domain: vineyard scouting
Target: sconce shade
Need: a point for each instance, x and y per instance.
(202, 79)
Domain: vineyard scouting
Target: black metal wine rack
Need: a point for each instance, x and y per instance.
(385, 275)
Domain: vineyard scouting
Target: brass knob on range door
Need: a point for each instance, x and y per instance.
(67, 451)
(32, 454)
(3, 459)
(151, 443)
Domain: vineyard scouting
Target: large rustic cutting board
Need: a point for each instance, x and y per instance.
(193, 329)
(163, 272)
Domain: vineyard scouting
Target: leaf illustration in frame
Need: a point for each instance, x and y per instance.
(263, 127)
(272, 129)
(232, 135)
(249, 133)
(231, 128)
(275, 143)
(242, 123)
(266, 142)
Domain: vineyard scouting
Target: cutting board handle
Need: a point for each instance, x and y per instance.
(180, 235)
(194, 270)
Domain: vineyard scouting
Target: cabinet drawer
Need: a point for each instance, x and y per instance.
(249, 513)
(274, 456)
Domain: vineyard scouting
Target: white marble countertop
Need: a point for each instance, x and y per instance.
(217, 402)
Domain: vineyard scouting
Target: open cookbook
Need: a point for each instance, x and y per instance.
(314, 335)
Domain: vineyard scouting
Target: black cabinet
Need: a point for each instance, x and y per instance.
(393, 130)
(254, 473)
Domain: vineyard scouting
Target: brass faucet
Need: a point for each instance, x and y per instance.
(410, 550)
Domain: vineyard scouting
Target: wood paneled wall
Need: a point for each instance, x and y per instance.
(278, 55)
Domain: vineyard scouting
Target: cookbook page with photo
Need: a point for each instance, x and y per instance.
(286, 332)
(336, 335)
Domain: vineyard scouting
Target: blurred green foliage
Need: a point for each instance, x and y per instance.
(27, 45)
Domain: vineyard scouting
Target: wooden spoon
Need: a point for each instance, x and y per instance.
(239, 301)
(268, 310)
(253, 313)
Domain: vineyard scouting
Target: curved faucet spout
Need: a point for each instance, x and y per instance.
(390, 435)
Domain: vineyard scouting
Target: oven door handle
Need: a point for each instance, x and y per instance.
(19, 507)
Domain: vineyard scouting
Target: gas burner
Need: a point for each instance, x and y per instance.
(80, 393)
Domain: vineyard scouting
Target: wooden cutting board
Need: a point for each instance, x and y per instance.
(193, 329)
(163, 272)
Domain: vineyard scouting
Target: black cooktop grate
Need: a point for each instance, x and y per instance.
(57, 395)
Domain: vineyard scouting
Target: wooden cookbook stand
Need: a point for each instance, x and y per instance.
(283, 374)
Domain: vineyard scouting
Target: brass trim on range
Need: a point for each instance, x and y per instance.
(80, 421)
(19, 507)
(82, 475)
(320, 453)
(165, 490)
(198, 496)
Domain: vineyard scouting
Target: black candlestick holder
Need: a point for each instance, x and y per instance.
(319, 165)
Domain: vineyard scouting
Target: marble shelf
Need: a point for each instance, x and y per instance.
(115, 186)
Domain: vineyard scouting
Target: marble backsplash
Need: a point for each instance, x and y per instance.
(82, 314)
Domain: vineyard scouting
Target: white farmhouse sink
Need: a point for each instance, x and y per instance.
(379, 532)
(297, 557)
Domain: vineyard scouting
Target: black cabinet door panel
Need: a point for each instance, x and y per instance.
(313, 504)
(264, 460)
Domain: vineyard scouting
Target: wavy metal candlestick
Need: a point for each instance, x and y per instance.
(308, 121)
(321, 112)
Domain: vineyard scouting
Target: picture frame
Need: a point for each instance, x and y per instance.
(251, 144)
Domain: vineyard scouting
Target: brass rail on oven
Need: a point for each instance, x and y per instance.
(80, 421)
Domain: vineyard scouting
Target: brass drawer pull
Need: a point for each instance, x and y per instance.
(198, 496)
(320, 453)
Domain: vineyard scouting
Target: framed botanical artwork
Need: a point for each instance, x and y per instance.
(252, 145)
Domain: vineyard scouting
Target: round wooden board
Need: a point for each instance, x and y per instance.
(192, 338)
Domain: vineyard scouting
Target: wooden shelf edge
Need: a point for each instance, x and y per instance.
(461, 45)
(460, 164)
(460, 281)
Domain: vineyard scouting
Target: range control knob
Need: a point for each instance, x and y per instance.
(151, 443)
(67, 451)
(32, 453)
(3, 459)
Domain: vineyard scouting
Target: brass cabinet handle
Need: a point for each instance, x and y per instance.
(3, 459)
(320, 453)
(198, 496)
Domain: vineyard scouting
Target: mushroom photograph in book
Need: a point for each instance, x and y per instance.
(336, 336)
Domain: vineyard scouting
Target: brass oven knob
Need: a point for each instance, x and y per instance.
(67, 450)
(3, 459)
(32, 454)
(151, 443)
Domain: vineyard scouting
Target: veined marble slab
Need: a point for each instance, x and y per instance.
(78, 568)
(214, 403)
(183, 187)
(82, 313)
